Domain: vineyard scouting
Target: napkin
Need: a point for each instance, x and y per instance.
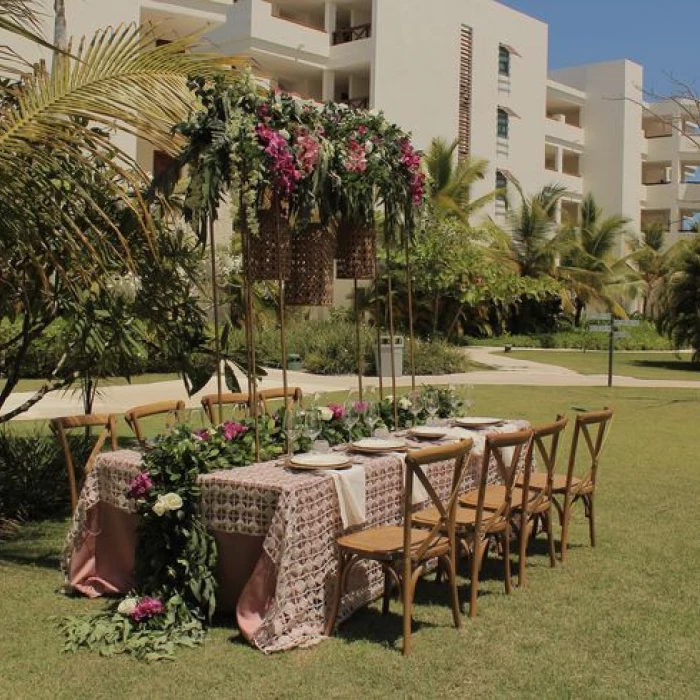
(351, 487)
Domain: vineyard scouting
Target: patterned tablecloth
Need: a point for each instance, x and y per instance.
(297, 515)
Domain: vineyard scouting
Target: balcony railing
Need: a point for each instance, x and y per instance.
(344, 36)
(358, 102)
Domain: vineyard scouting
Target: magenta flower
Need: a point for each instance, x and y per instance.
(140, 486)
(338, 411)
(233, 430)
(202, 434)
(356, 162)
(147, 608)
(361, 406)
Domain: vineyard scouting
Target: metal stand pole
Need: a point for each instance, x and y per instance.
(391, 333)
(280, 279)
(611, 349)
(378, 310)
(409, 289)
(250, 334)
(215, 301)
(358, 333)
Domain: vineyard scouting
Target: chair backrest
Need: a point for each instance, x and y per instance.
(593, 426)
(293, 392)
(545, 443)
(133, 415)
(415, 461)
(506, 450)
(211, 401)
(61, 426)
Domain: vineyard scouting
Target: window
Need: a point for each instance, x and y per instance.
(502, 126)
(503, 61)
(501, 185)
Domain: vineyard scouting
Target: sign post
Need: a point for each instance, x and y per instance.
(610, 326)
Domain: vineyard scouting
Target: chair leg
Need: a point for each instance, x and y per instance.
(522, 559)
(550, 538)
(451, 564)
(388, 588)
(591, 518)
(477, 553)
(506, 560)
(566, 518)
(409, 587)
(338, 594)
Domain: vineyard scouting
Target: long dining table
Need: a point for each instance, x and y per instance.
(275, 530)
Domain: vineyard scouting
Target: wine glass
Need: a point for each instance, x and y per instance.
(291, 425)
(312, 426)
(432, 405)
(372, 416)
(351, 417)
(416, 406)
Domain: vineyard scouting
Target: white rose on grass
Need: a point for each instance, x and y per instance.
(404, 403)
(127, 606)
(172, 501)
(325, 413)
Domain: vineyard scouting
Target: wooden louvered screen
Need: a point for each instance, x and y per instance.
(465, 92)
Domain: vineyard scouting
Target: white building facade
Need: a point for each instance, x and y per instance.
(469, 69)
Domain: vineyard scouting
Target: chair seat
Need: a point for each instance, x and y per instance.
(465, 519)
(538, 482)
(494, 496)
(386, 542)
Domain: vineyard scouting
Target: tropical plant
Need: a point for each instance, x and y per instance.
(60, 244)
(654, 260)
(591, 262)
(532, 229)
(679, 314)
(451, 183)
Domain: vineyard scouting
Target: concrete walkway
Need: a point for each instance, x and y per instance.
(506, 370)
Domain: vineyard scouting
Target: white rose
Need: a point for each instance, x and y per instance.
(172, 501)
(127, 606)
(284, 134)
(404, 403)
(325, 413)
(389, 398)
(369, 147)
(159, 507)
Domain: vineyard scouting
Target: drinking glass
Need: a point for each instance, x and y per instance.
(351, 417)
(416, 406)
(292, 426)
(312, 426)
(372, 416)
(432, 404)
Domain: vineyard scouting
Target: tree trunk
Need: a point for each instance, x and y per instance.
(60, 36)
(580, 306)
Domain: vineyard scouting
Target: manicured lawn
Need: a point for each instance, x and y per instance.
(642, 365)
(35, 384)
(620, 620)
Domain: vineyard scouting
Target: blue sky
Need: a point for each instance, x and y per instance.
(661, 35)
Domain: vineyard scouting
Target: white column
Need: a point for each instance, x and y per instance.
(559, 162)
(328, 86)
(329, 18)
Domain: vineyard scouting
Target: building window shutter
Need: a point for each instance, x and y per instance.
(465, 92)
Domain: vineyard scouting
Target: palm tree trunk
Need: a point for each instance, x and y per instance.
(60, 36)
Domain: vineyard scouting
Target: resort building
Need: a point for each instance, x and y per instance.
(472, 69)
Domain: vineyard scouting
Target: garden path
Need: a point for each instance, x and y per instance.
(505, 370)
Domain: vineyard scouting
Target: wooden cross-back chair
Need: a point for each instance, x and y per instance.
(404, 550)
(293, 394)
(211, 402)
(61, 426)
(475, 523)
(134, 415)
(535, 505)
(567, 488)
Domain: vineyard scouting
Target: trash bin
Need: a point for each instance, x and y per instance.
(294, 362)
(386, 349)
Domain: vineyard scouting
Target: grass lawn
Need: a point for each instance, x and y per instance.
(35, 384)
(620, 620)
(642, 365)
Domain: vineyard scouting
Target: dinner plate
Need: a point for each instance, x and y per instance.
(320, 460)
(427, 432)
(477, 421)
(379, 445)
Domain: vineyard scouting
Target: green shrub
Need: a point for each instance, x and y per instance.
(33, 477)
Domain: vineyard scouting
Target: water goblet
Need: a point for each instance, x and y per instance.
(312, 426)
(350, 418)
(432, 405)
(416, 406)
(373, 416)
(291, 426)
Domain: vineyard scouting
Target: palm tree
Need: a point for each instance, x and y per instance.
(654, 261)
(532, 229)
(452, 182)
(589, 261)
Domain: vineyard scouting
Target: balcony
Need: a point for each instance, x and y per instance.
(561, 132)
(348, 34)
